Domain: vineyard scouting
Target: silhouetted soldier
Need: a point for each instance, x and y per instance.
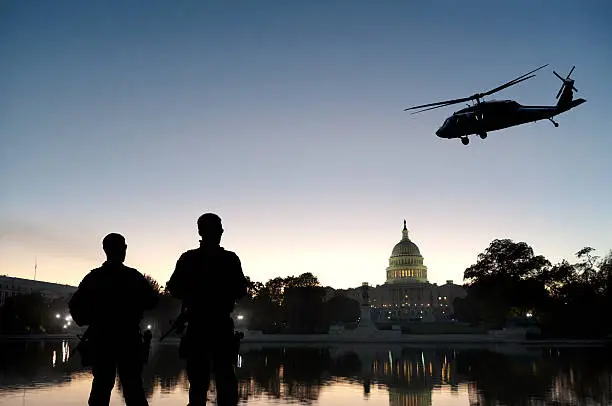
(209, 281)
(111, 301)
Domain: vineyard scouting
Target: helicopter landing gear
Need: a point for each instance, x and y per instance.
(554, 122)
(465, 140)
(482, 135)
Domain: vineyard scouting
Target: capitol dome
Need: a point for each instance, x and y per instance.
(406, 262)
(405, 247)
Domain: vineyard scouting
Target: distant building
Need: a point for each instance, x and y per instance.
(10, 286)
(406, 293)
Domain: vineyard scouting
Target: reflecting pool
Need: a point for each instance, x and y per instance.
(47, 373)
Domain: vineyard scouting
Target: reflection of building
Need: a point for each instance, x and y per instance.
(10, 286)
(411, 374)
(46, 363)
(406, 293)
(400, 397)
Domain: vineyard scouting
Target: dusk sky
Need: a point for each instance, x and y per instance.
(286, 118)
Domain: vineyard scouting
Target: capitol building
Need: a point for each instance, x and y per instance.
(407, 294)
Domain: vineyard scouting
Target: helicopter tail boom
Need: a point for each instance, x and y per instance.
(569, 105)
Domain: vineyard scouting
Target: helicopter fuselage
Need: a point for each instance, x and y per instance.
(485, 116)
(498, 114)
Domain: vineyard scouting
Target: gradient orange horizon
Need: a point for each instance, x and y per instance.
(340, 252)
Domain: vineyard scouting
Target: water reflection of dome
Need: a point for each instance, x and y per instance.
(400, 397)
(410, 375)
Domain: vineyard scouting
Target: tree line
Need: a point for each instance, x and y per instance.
(291, 304)
(32, 314)
(509, 282)
(295, 304)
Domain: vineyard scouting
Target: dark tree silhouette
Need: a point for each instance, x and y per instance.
(342, 309)
(506, 257)
(305, 280)
(253, 288)
(154, 284)
(24, 314)
(508, 280)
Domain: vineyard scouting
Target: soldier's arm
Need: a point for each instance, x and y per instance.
(80, 306)
(241, 283)
(176, 285)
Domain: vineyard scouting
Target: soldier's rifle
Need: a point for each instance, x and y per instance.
(178, 324)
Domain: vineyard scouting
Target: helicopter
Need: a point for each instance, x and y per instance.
(485, 116)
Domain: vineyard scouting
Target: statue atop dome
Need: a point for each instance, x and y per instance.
(405, 232)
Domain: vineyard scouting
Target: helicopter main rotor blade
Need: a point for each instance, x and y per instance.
(529, 73)
(505, 85)
(431, 108)
(513, 82)
(441, 103)
(476, 96)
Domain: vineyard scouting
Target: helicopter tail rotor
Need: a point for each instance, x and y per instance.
(567, 82)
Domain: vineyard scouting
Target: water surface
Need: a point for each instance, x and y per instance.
(45, 373)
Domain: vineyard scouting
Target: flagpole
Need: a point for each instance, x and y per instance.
(35, 266)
